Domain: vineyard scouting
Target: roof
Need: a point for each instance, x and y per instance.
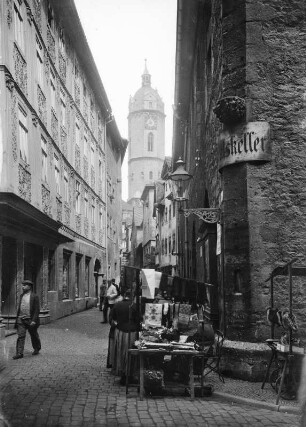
(146, 190)
(167, 167)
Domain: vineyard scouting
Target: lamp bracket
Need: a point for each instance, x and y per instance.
(210, 215)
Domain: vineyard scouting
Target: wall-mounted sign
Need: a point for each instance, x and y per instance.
(248, 143)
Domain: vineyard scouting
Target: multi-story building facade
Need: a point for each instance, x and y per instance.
(166, 230)
(53, 158)
(148, 226)
(240, 104)
(114, 208)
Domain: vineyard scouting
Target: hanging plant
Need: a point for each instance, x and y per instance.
(230, 110)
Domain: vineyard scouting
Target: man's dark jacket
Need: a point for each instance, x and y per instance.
(34, 309)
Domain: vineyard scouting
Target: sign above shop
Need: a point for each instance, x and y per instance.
(248, 143)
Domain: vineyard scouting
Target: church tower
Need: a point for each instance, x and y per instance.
(146, 124)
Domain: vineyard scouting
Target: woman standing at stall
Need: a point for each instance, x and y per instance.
(124, 316)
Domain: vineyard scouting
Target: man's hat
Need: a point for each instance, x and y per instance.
(28, 282)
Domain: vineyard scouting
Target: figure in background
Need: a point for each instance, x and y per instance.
(27, 320)
(124, 316)
(109, 301)
(102, 294)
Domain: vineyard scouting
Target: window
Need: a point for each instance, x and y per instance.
(85, 143)
(18, 25)
(92, 155)
(86, 204)
(173, 214)
(150, 104)
(170, 213)
(93, 210)
(150, 175)
(169, 242)
(61, 40)
(44, 159)
(50, 18)
(100, 167)
(77, 197)
(166, 214)
(150, 141)
(66, 186)
(76, 71)
(53, 90)
(57, 174)
(39, 62)
(101, 218)
(166, 246)
(77, 133)
(63, 108)
(23, 135)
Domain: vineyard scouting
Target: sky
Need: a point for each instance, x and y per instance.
(121, 35)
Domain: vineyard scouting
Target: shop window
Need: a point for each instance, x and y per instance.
(87, 276)
(78, 259)
(66, 274)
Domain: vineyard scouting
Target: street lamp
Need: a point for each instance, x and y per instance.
(181, 182)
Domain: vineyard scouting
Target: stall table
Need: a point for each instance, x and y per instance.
(142, 353)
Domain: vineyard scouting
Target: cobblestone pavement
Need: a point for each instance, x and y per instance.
(68, 384)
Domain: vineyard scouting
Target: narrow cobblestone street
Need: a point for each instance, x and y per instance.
(68, 384)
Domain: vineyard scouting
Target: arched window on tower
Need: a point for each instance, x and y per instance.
(150, 141)
(150, 175)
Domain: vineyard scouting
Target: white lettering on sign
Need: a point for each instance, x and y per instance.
(249, 143)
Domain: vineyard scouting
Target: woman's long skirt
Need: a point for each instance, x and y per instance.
(120, 351)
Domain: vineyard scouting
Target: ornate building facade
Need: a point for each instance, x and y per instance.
(55, 150)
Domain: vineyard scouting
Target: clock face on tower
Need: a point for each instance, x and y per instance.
(151, 121)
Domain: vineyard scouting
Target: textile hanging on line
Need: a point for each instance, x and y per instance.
(184, 315)
(153, 314)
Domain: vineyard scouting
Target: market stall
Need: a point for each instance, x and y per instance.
(175, 339)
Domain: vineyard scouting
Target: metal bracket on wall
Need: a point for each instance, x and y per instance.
(209, 215)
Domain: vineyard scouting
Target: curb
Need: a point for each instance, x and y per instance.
(259, 404)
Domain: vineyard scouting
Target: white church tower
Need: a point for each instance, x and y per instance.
(146, 123)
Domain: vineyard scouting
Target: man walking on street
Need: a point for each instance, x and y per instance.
(111, 295)
(27, 320)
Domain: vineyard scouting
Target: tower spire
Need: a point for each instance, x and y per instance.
(146, 76)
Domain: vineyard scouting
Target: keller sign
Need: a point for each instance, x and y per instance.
(248, 143)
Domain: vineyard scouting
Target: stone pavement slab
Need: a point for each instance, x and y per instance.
(68, 385)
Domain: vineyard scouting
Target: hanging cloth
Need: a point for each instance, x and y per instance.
(153, 314)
